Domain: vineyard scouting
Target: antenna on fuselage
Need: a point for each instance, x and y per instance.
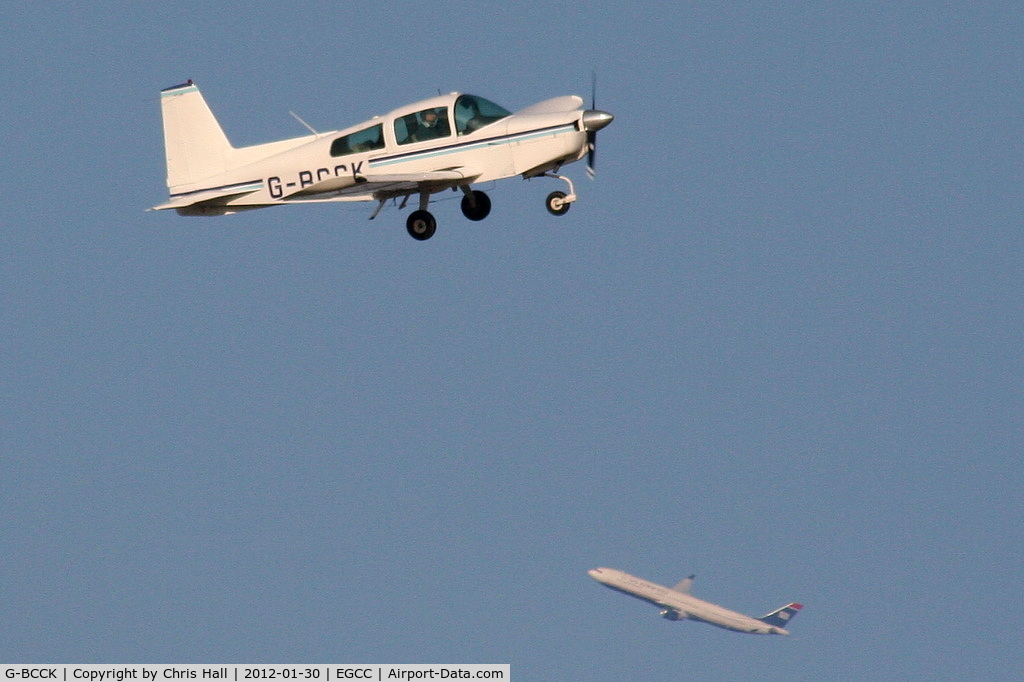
(299, 119)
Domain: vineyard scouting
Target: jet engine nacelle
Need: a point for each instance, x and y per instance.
(672, 614)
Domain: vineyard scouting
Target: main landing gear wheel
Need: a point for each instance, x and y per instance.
(476, 205)
(556, 203)
(421, 225)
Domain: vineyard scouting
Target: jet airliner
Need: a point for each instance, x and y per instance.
(676, 603)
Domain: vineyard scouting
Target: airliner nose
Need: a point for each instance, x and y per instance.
(595, 119)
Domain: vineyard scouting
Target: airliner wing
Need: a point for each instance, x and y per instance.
(382, 185)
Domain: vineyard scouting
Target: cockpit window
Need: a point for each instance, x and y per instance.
(473, 113)
(428, 124)
(363, 141)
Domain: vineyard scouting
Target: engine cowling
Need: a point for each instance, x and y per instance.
(672, 614)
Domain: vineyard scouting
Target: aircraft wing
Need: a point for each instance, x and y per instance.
(371, 186)
(214, 196)
(383, 185)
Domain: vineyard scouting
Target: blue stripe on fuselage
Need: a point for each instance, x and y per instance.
(464, 146)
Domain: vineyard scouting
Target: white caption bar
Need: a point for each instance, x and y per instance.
(253, 673)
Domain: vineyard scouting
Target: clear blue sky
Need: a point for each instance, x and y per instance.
(777, 343)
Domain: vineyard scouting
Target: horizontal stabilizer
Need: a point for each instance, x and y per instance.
(214, 196)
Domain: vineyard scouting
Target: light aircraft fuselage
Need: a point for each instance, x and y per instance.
(448, 142)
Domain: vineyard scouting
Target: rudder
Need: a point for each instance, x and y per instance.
(195, 145)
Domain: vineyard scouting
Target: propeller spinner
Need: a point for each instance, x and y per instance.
(593, 120)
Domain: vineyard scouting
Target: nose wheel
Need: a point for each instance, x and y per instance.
(558, 203)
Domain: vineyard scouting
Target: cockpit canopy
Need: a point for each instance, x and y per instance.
(473, 113)
(470, 114)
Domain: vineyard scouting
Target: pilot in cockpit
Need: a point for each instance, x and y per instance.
(431, 126)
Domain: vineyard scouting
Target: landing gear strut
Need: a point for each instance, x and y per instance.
(558, 203)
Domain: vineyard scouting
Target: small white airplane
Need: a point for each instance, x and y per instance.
(677, 604)
(448, 142)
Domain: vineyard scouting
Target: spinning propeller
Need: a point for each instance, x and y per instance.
(593, 120)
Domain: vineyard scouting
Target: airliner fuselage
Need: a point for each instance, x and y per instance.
(677, 604)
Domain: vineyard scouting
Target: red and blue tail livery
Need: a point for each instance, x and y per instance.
(780, 617)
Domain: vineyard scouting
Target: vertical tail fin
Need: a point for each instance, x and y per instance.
(779, 617)
(684, 585)
(194, 142)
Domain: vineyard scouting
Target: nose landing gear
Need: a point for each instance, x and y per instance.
(558, 203)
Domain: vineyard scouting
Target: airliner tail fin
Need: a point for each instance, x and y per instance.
(780, 617)
(684, 585)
